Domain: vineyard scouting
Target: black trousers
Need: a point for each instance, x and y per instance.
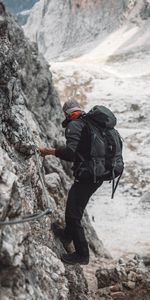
(78, 198)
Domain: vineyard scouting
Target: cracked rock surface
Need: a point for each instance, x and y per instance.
(30, 115)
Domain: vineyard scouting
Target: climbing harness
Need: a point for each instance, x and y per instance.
(38, 215)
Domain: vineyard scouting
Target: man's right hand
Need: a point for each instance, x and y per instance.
(46, 151)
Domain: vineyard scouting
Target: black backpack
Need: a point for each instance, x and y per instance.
(106, 161)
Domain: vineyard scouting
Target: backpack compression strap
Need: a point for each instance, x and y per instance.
(114, 186)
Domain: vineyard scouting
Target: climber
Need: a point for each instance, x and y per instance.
(77, 147)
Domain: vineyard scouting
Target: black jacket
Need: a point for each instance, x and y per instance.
(78, 142)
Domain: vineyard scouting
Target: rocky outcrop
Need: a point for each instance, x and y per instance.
(124, 280)
(30, 115)
(69, 27)
(145, 11)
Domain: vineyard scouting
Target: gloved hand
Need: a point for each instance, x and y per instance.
(46, 151)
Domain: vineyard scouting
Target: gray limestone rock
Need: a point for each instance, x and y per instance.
(121, 283)
(69, 27)
(145, 11)
(30, 115)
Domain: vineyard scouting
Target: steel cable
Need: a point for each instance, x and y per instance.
(34, 216)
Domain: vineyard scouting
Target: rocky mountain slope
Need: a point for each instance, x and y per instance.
(30, 115)
(67, 28)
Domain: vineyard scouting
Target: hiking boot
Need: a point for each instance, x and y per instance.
(59, 233)
(75, 258)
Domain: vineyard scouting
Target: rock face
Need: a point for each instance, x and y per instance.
(66, 27)
(30, 114)
(124, 280)
(145, 11)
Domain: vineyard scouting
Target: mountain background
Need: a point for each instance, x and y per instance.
(98, 52)
(70, 24)
(20, 9)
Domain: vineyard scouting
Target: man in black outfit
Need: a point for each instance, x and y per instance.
(77, 149)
